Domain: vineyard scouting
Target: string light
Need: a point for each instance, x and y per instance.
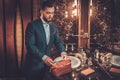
(66, 14)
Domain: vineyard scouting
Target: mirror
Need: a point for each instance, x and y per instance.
(105, 25)
(66, 18)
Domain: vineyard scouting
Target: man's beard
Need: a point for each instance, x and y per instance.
(45, 19)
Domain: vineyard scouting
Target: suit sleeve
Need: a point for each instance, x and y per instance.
(58, 42)
(30, 41)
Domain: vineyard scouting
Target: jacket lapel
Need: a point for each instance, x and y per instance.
(43, 35)
(42, 32)
(51, 33)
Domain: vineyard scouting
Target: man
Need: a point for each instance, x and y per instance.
(41, 34)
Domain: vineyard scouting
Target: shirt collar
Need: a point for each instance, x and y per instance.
(43, 20)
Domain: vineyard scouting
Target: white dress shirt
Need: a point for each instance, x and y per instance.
(47, 32)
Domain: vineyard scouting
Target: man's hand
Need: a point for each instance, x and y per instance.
(48, 61)
(64, 56)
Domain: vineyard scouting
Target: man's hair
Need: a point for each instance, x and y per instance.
(47, 3)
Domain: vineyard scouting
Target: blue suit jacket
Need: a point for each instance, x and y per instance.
(36, 44)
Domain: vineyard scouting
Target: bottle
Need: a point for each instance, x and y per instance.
(97, 54)
(84, 58)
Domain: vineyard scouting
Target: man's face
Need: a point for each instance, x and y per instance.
(48, 14)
